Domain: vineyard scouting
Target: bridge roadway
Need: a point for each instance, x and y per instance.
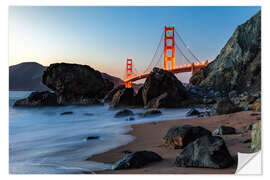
(194, 67)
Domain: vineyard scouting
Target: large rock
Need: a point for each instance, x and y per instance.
(124, 113)
(163, 89)
(123, 97)
(150, 113)
(137, 160)
(36, 99)
(223, 130)
(225, 106)
(181, 136)
(75, 84)
(256, 137)
(238, 65)
(110, 94)
(205, 152)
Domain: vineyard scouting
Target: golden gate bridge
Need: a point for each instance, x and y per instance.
(169, 52)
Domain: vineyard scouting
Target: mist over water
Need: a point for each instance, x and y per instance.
(43, 141)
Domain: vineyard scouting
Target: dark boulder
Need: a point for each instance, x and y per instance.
(66, 113)
(92, 137)
(137, 160)
(205, 152)
(76, 84)
(163, 89)
(37, 99)
(223, 130)
(181, 136)
(225, 106)
(193, 112)
(124, 113)
(109, 95)
(123, 97)
(150, 113)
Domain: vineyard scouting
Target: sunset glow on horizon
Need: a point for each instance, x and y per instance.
(104, 37)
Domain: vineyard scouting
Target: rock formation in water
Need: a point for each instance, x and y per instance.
(72, 84)
(75, 84)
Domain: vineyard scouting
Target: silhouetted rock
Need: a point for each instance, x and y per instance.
(149, 113)
(225, 106)
(66, 113)
(223, 130)
(76, 84)
(92, 137)
(137, 160)
(37, 99)
(124, 113)
(109, 95)
(205, 152)
(123, 97)
(163, 89)
(181, 136)
(193, 112)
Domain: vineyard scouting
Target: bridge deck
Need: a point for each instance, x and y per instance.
(179, 69)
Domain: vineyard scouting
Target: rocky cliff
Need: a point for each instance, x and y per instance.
(238, 66)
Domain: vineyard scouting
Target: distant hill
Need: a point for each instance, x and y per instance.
(116, 81)
(27, 77)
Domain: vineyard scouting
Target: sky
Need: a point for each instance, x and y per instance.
(104, 37)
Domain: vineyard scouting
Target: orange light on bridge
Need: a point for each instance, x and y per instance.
(189, 65)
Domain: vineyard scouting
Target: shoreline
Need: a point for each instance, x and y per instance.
(148, 136)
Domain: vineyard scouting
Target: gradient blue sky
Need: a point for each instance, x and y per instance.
(103, 37)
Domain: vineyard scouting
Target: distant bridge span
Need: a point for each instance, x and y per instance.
(168, 59)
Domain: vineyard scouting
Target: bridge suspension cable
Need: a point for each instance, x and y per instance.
(155, 54)
(181, 52)
(186, 46)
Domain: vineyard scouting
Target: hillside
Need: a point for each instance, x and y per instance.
(238, 66)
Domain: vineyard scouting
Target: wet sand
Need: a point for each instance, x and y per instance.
(149, 137)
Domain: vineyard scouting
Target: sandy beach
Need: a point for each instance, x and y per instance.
(149, 137)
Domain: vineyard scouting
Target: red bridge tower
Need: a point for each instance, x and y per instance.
(129, 73)
(169, 49)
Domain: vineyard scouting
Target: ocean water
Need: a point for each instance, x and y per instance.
(43, 141)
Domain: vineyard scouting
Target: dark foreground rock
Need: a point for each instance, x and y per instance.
(137, 160)
(36, 99)
(149, 113)
(123, 97)
(225, 106)
(109, 95)
(223, 130)
(163, 89)
(181, 136)
(193, 112)
(66, 113)
(124, 113)
(76, 84)
(92, 137)
(205, 152)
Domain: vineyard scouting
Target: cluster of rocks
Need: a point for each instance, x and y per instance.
(200, 149)
(129, 115)
(71, 84)
(161, 89)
